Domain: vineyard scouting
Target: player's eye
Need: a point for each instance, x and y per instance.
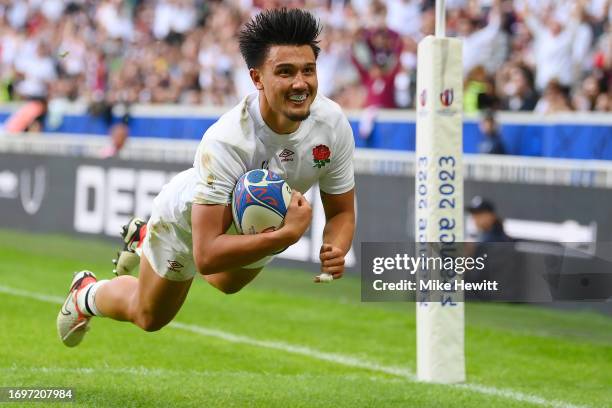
(309, 70)
(284, 72)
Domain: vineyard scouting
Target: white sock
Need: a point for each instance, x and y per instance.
(86, 299)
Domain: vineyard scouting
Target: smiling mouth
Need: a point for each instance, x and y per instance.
(298, 99)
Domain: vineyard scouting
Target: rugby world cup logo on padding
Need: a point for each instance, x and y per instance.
(447, 96)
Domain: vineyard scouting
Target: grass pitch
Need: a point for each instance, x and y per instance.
(283, 342)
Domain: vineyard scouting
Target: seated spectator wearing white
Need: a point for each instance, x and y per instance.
(553, 100)
(517, 91)
(604, 102)
(585, 97)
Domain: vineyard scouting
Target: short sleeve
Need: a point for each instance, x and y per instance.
(218, 166)
(341, 176)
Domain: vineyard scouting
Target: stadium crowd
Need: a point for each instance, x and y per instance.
(522, 55)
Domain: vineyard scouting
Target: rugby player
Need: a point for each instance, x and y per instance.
(284, 126)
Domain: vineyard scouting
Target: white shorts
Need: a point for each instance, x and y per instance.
(168, 250)
(168, 244)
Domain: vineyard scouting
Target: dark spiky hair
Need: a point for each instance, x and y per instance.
(277, 27)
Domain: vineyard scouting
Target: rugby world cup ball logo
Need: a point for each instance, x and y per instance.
(423, 97)
(447, 96)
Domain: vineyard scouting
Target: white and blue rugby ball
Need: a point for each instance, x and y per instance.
(260, 202)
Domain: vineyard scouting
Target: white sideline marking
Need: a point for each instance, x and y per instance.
(165, 372)
(320, 355)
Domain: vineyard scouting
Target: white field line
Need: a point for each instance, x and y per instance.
(340, 359)
(165, 372)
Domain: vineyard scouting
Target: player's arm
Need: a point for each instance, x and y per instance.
(338, 232)
(214, 251)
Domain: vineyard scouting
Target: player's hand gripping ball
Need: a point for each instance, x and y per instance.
(260, 202)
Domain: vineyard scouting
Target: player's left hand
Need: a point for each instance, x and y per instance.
(332, 261)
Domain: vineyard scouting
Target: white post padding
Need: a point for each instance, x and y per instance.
(439, 201)
(440, 18)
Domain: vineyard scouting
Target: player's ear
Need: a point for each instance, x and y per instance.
(256, 78)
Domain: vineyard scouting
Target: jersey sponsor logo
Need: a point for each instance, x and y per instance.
(174, 266)
(320, 156)
(286, 155)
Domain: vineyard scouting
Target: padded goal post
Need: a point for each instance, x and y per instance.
(439, 198)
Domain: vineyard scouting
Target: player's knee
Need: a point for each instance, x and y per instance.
(229, 290)
(149, 322)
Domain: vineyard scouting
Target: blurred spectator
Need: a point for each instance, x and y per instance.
(376, 55)
(585, 97)
(492, 142)
(553, 100)
(404, 16)
(503, 263)
(554, 45)
(479, 44)
(479, 91)
(28, 117)
(489, 225)
(173, 16)
(184, 51)
(516, 88)
(604, 103)
(35, 72)
(118, 136)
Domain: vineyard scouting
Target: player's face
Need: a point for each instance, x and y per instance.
(288, 79)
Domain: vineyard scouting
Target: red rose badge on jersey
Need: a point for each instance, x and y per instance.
(320, 155)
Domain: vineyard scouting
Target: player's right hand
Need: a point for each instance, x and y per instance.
(298, 217)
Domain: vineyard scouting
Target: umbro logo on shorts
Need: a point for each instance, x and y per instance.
(174, 266)
(286, 155)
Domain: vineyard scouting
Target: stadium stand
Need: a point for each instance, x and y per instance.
(183, 51)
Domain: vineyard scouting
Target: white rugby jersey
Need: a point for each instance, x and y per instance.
(320, 150)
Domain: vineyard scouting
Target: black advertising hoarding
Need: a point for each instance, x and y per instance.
(87, 196)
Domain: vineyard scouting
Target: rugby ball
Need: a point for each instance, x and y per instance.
(260, 201)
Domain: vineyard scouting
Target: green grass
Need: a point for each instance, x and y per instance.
(558, 356)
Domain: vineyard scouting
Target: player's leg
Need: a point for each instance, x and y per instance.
(232, 281)
(149, 301)
(128, 257)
